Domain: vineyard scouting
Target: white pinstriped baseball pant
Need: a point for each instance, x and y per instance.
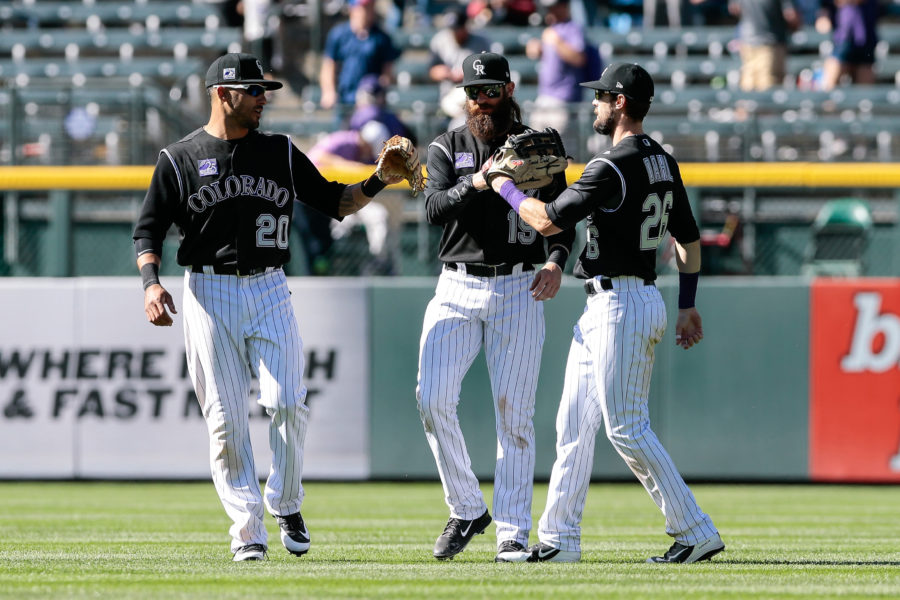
(499, 313)
(231, 322)
(608, 381)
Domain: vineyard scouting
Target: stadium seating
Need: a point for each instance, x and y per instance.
(50, 13)
(109, 41)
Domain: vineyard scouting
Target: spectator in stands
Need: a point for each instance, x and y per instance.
(449, 46)
(673, 13)
(854, 25)
(699, 13)
(259, 29)
(763, 30)
(350, 149)
(502, 12)
(585, 12)
(566, 59)
(355, 48)
(371, 105)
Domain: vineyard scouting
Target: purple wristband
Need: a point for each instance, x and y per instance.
(513, 196)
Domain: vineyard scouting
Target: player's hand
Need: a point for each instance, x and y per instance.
(546, 282)
(156, 299)
(478, 179)
(688, 328)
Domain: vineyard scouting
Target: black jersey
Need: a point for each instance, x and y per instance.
(479, 226)
(231, 200)
(631, 195)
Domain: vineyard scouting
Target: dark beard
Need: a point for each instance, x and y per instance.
(489, 127)
(604, 128)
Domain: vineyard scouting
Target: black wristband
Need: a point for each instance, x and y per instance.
(372, 186)
(149, 274)
(558, 256)
(687, 289)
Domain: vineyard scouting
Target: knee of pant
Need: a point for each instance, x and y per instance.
(629, 436)
(432, 403)
(223, 430)
(290, 403)
(516, 424)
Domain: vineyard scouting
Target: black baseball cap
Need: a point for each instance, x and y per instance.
(238, 69)
(628, 79)
(484, 69)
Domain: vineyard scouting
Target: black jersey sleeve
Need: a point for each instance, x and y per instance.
(445, 194)
(159, 207)
(565, 238)
(311, 187)
(600, 186)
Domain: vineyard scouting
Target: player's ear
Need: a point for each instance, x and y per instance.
(218, 93)
(510, 88)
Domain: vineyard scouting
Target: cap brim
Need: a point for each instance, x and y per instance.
(594, 85)
(482, 82)
(266, 83)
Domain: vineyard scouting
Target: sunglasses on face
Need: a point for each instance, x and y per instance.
(598, 94)
(491, 91)
(250, 90)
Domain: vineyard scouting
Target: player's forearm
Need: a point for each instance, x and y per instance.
(147, 258)
(532, 210)
(687, 257)
(148, 264)
(353, 199)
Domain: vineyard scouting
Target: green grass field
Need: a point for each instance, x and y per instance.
(374, 540)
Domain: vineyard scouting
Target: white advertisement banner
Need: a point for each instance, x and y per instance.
(89, 388)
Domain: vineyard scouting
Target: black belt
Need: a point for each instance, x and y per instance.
(233, 270)
(606, 284)
(482, 270)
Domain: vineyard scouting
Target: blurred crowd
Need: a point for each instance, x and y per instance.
(358, 47)
(356, 38)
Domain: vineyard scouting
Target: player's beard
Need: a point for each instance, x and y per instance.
(250, 121)
(490, 126)
(604, 127)
(247, 118)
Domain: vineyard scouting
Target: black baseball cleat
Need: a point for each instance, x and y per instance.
(511, 551)
(679, 553)
(546, 553)
(457, 534)
(250, 552)
(294, 534)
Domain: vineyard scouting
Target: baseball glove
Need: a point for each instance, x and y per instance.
(399, 158)
(530, 159)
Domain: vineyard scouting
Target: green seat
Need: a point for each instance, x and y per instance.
(840, 234)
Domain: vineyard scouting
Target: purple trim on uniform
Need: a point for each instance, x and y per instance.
(513, 196)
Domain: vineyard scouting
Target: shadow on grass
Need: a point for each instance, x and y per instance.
(824, 563)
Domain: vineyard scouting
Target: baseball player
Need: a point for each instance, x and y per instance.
(489, 294)
(630, 195)
(230, 191)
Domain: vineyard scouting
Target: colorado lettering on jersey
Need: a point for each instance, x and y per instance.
(245, 185)
(657, 168)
